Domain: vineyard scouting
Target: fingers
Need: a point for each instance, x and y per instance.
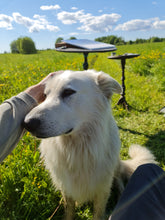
(37, 91)
(49, 76)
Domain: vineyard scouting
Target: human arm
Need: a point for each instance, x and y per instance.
(12, 113)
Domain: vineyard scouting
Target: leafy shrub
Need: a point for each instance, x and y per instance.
(23, 45)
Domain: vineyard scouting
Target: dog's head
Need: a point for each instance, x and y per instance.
(73, 98)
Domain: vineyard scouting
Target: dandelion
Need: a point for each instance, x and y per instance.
(28, 134)
(38, 185)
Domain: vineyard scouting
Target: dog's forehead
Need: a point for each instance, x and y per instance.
(72, 79)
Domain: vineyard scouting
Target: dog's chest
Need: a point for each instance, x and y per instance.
(78, 171)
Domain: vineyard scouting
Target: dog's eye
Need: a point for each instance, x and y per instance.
(67, 92)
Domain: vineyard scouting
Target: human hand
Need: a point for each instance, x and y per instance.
(37, 91)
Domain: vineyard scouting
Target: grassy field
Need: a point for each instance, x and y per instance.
(26, 191)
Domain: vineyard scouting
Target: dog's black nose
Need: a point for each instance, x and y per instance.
(31, 124)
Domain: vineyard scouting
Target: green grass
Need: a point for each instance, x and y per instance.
(26, 191)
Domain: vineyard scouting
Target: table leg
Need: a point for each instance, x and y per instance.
(122, 100)
(85, 64)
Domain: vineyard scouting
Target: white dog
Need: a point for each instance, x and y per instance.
(82, 145)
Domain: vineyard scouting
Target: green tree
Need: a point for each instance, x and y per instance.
(24, 45)
(155, 39)
(111, 39)
(72, 38)
(13, 47)
(130, 42)
(58, 40)
(18, 42)
(27, 46)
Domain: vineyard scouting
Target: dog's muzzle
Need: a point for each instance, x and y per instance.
(31, 124)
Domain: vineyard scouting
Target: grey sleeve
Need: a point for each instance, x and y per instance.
(12, 113)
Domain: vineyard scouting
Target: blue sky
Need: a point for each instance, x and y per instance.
(46, 20)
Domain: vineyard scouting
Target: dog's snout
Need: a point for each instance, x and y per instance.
(31, 124)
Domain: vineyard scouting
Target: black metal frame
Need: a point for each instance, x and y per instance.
(122, 101)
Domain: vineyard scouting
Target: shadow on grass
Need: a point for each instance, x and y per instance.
(156, 143)
(133, 132)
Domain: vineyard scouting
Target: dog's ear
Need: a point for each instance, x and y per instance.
(108, 85)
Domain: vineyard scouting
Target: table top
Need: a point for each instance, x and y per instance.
(124, 56)
(83, 46)
(79, 50)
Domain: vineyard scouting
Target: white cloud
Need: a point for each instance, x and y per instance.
(70, 17)
(6, 21)
(18, 18)
(36, 24)
(74, 8)
(52, 28)
(142, 25)
(40, 17)
(74, 34)
(102, 23)
(50, 7)
(135, 25)
(159, 24)
(6, 18)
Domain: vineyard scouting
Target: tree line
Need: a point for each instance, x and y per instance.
(112, 39)
(25, 45)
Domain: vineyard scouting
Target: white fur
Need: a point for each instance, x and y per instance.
(83, 162)
(139, 155)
